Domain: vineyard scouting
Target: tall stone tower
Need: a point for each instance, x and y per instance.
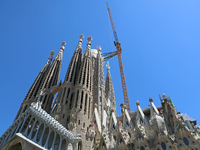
(46, 79)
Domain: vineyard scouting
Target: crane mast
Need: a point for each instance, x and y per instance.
(118, 52)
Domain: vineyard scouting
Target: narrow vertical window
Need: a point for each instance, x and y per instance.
(77, 98)
(85, 104)
(81, 100)
(88, 75)
(79, 146)
(68, 92)
(71, 99)
(89, 108)
(63, 94)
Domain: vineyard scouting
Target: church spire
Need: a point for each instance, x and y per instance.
(110, 95)
(67, 94)
(75, 62)
(51, 79)
(99, 87)
(88, 49)
(37, 84)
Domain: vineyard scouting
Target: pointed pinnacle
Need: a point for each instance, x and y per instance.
(150, 99)
(89, 39)
(107, 66)
(63, 43)
(137, 103)
(51, 57)
(81, 36)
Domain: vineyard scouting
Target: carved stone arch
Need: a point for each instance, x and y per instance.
(26, 123)
(19, 125)
(7, 135)
(14, 129)
(17, 146)
(45, 135)
(57, 142)
(51, 138)
(31, 125)
(101, 144)
(70, 147)
(64, 144)
(80, 145)
(40, 130)
(34, 129)
(24, 109)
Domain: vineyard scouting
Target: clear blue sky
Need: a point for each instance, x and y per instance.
(160, 42)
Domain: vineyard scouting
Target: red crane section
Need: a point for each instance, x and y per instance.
(118, 52)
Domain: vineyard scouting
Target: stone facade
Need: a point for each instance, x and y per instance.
(83, 115)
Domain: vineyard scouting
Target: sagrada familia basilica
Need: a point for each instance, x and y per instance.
(83, 114)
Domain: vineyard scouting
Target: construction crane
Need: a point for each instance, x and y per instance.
(118, 52)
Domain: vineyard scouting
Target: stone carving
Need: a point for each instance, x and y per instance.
(91, 132)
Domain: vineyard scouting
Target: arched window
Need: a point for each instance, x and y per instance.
(142, 148)
(44, 138)
(77, 98)
(71, 99)
(17, 146)
(81, 100)
(89, 108)
(163, 145)
(185, 140)
(63, 94)
(79, 145)
(39, 134)
(50, 142)
(68, 92)
(24, 109)
(85, 104)
(57, 142)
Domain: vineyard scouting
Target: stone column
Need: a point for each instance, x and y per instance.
(46, 144)
(34, 138)
(29, 136)
(40, 141)
(25, 132)
(23, 122)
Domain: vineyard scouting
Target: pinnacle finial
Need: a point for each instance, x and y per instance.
(107, 66)
(89, 41)
(81, 36)
(137, 103)
(51, 57)
(52, 53)
(95, 105)
(150, 99)
(164, 96)
(63, 45)
(98, 48)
